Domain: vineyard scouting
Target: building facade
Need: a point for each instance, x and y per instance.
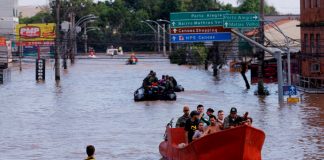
(8, 21)
(311, 58)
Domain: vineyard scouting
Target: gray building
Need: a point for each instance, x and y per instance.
(8, 21)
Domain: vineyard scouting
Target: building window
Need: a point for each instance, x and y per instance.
(305, 42)
(315, 68)
(318, 43)
(312, 43)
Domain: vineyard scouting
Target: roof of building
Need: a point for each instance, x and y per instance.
(274, 39)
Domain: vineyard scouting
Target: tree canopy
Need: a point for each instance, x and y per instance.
(120, 20)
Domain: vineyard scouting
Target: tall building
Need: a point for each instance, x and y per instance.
(312, 38)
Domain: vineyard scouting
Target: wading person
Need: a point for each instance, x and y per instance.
(214, 127)
(90, 152)
(199, 132)
(191, 126)
(233, 119)
(182, 120)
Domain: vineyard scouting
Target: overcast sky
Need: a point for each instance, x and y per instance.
(283, 6)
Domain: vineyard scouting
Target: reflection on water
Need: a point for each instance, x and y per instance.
(93, 104)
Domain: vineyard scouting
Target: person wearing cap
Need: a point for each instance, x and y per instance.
(202, 116)
(233, 119)
(209, 113)
(191, 126)
(182, 120)
(90, 152)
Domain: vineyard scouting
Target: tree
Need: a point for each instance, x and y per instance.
(253, 6)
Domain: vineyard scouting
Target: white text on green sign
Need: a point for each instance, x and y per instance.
(241, 24)
(198, 15)
(197, 23)
(241, 17)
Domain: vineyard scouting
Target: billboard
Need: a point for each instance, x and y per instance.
(35, 32)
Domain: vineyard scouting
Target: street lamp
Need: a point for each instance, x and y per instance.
(163, 29)
(287, 41)
(56, 3)
(169, 27)
(154, 30)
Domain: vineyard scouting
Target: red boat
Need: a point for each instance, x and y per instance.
(240, 143)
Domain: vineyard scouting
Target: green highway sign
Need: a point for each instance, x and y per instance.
(197, 23)
(197, 15)
(241, 17)
(241, 24)
(241, 21)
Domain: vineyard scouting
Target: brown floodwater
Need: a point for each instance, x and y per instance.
(93, 104)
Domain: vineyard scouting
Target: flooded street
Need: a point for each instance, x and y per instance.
(93, 104)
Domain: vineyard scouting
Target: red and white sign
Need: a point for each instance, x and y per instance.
(30, 32)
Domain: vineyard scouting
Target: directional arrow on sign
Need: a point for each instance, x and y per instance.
(226, 24)
(174, 30)
(255, 17)
(173, 23)
(174, 38)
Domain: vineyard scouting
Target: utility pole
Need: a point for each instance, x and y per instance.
(159, 40)
(170, 45)
(85, 36)
(260, 53)
(57, 42)
(72, 32)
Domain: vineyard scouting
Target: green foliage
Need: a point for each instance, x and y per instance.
(253, 6)
(41, 17)
(120, 20)
(196, 56)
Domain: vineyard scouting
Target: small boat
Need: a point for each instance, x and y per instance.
(132, 61)
(178, 88)
(240, 143)
(153, 94)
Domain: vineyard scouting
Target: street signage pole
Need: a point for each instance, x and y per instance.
(277, 55)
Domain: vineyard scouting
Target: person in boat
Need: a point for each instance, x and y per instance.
(199, 132)
(90, 152)
(182, 120)
(191, 126)
(209, 113)
(173, 81)
(153, 78)
(220, 119)
(214, 127)
(168, 84)
(146, 82)
(233, 119)
(202, 116)
(132, 58)
(248, 121)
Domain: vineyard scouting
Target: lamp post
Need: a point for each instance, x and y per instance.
(57, 41)
(169, 28)
(287, 41)
(154, 30)
(163, 29)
